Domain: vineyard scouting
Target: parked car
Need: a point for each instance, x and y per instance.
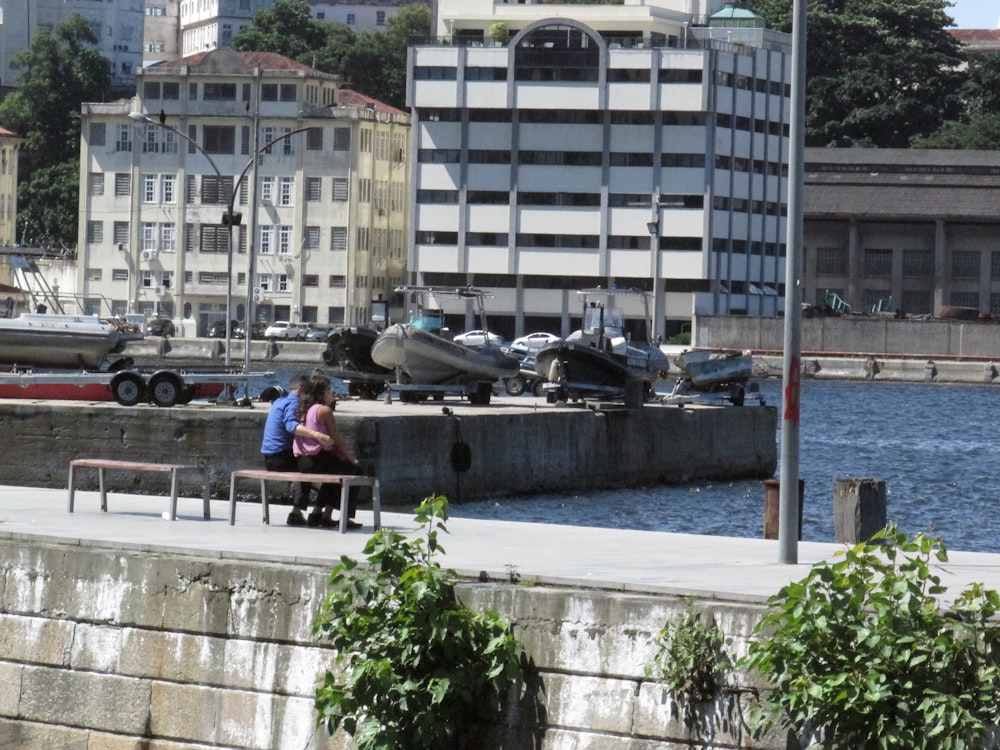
(282, 329)
(218, 329)
(478, 338)
(161, 327)
(534, 341)
(317, 333)
(257, 329)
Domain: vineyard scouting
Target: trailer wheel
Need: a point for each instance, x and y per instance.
(166, 389)
(127, 387)
(514, 385)
(538, 387)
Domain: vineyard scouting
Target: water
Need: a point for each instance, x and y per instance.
(933, 445)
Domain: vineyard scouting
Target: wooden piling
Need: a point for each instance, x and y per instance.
(859, 509)
(772, 502)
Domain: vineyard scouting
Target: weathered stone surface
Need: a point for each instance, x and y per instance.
(107, 702)
(19, 735)
(36, 640)
(10, 691)
(593, 704)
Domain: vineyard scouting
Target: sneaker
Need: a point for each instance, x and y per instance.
(295, 518)
(354, 525)
(315, 520)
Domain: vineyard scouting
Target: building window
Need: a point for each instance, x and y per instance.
(338, 238)
(311, 239)
(281, 281)
(338, 282)
(266, 240)
(124, 142)
(831, 261)
(216, 190)
(220, 139)
(965, 299)
(965, 265)
(380, 18)
(95, 183)
(284, 240)
(310, 279)
(878, 262)
(123, 183)
(149, 188)
(214, 239)
(98, 133)
(314, 189)
(340, 191)
(266, 191)
(288, 92)
(314, 139)
(269, 92)
(341, 139)
(95, 231)
(917, 264)
(120, 233)
(286, 188)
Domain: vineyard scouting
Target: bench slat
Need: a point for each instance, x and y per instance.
(346, 482)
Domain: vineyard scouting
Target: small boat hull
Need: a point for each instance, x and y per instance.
(706, 368)
(350, 350)
(64, 341)
(428, 359)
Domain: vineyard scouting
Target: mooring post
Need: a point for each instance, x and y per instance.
(859, 509)
(772, 506)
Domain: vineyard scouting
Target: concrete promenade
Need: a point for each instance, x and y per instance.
(714, 568)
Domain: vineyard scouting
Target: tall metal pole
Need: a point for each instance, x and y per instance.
(252, 229)
(788, 499)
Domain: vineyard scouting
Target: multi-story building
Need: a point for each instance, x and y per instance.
(173, 221)
(212, 24)
(161, 31)
(639, 145)
(918, 227)
(117, 24)
(10, 145)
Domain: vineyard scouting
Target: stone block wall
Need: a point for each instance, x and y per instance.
(115, 649)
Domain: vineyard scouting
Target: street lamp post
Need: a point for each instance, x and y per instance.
(227, 219)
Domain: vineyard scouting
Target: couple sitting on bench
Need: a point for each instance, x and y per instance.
(300, 434)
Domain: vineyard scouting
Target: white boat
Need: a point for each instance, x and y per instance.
(63, 341)
(423, 356)
(709, 368)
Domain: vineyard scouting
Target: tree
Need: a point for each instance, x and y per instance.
(981, 132)
(59, 70)
(285, 28)
(879, 72)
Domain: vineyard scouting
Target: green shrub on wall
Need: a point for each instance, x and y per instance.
(862, 654)
(416, 668)
(691, 658)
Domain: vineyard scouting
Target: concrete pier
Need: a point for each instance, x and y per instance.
(515, 446)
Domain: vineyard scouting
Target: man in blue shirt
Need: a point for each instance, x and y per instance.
(281, 426)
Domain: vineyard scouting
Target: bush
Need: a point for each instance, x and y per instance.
(416, 668)
(861, 654)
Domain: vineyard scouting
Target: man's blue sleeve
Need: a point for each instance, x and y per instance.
(288, 415)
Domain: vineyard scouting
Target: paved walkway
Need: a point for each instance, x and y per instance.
(639, 561)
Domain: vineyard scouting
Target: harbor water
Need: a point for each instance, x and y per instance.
(935, 446)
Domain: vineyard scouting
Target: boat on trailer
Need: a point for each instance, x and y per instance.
(428, 363)
(64, 341)
(599, 360)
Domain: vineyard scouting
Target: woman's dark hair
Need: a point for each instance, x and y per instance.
(314, 392)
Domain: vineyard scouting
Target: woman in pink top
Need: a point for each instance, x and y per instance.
(316, 413)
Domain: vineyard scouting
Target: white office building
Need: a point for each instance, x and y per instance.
(117, 24)
(212, 24)
(641, 145)
(315, 231)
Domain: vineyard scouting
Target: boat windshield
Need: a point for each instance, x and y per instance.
(597, 319)
(431, 321)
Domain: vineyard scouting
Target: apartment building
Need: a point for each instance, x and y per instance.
(178, 218)
(562, 147)
(117, 24)
(212, 24)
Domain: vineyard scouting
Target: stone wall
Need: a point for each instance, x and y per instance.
(512, 453)
(108, 649)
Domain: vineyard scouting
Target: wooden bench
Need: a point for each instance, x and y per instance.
(102, 464)
(346, 482)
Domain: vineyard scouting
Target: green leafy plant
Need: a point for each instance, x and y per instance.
(416, 668)
(863, 654)
(691, 658)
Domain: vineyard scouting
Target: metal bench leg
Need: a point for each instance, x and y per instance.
(104, 492)
(72, 488)
(206, 495)
(173, 494)
(232, 499)
(377, 504)
(345, 487)
(263, 502)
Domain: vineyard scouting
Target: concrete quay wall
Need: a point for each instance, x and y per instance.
(113, 648)
(411, 449)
